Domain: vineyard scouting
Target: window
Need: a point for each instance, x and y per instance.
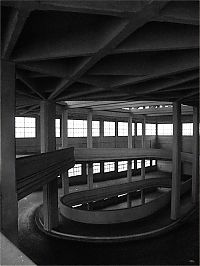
(147, 163)
(122, 129)
(150, 129)
(165, 129)
(96, 168)
(139, 129)
(95, 128)
(77, 128)
(109, 128)
(109, 167)
(153, 162)
(133, 129)
(187, 129)
(139, 162)
(25, 127)
(122, 166)
(76, 170)
(57, 128)
(133, 164)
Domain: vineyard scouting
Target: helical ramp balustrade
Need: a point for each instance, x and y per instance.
(82, 220)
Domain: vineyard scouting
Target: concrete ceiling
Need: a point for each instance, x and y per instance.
(102, 51)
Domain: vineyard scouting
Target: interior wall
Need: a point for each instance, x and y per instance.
(32, 145)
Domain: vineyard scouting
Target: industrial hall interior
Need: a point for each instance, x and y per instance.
(99, 132)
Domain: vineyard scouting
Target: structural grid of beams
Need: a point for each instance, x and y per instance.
(115, 50)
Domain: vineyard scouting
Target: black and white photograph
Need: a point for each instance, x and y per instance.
(99, 132)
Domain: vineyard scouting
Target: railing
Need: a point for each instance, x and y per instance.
(102, 154)
(32, 172)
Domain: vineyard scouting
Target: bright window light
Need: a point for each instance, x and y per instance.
(76, 170)
(109, 128)
(77, 128)
(57, 127)
(150, 129)
(147, 163)
(109, 167)
(95, 128)
(132, 164)
(133, 129)
(165, 129)
(96, 168)
(122, 129)
(187, 129)
(153, 162)
(122, 166)
(139, 162)
(139, 129)
(25, 127)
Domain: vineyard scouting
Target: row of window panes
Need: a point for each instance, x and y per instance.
(108, 167)
(25, 127)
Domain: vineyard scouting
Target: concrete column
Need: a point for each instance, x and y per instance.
(176, 161)
(101, 167)
(84, 171)
(89, 130)
(116, 133)
(101, 133)
(90, 175)
(143, 160)
(89, 146)
(64, 128)
(130, 145)
(135, 135)
(9, 207)
(195, 161)
(130, 137)
(48, 143)
(156, 137)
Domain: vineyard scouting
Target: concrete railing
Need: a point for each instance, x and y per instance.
(102, 154)
(119, 215)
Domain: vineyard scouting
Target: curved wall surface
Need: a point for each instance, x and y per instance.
(120, 215)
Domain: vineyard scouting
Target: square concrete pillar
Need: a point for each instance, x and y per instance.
(195, 159)
(64, 133)
(48, 143)
(9, 204)
(176, 161)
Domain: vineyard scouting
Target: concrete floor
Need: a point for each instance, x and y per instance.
(179, 247)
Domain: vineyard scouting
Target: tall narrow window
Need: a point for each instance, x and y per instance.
(147, 163)
(96, 168)
(109, 128)
(153, 162)
(57, 127)
(122, 166)
(76, 170)
(122, 129)
(187, 129)
(95, 128)
(165, 129)
(109, 167)
(139, 162)
(139, 129)
(133, 164)
(25, 127)
(77, 128)
(150, 129)
(133, 129)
